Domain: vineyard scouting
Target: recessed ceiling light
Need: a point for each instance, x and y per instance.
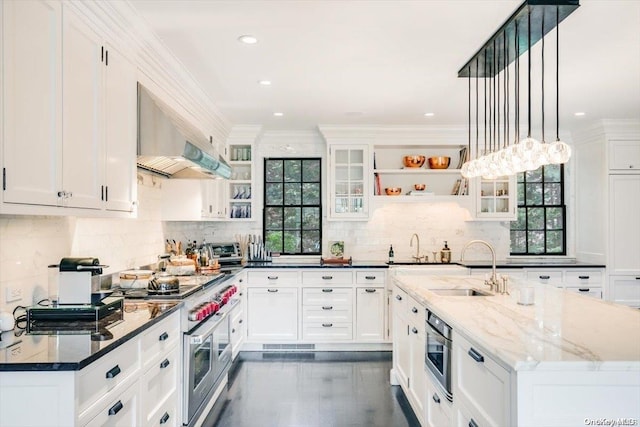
(265, 82)
(429, 114)
(278, 114)
(248, 39)
(579, 114)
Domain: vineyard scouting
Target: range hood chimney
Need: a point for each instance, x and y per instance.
(170, 146)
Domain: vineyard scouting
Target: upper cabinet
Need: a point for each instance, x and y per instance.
(348, 181)
(32, 102)
(496, 198)
(70, 115)
(624, 155)
(240, 187)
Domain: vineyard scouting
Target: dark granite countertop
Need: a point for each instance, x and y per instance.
(76, 346)
(468, 264)
(530, 264)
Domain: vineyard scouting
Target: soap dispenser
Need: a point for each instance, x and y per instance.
(391, 255)
(445, 254)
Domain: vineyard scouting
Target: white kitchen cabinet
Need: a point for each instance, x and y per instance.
(327, 313)
(241, 190)
(438, 408)
(193, 200)
(82, 152)
(480, 385)
(159, 383)
(370, 307)
(349, 185)
(32, 94)
(272, 314)
(607, 159)
(401, 347)
(496, 199)
(122, 410)
(238, 315)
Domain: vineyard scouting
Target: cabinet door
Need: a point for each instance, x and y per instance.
(120, 132)
(370, 314)
(82, 148)
(496, 198)
(32, 142)
(417, 374)
(625, 290)
(273, 314)
(123, 410)
(348, 182)
(401, 350)
(624, 231)
(624, 155)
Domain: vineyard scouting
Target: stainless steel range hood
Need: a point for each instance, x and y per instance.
(170, 146)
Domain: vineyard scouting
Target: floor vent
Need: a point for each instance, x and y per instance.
(288, 346)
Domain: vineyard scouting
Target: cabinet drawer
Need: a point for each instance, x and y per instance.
(625, 290)
(165, 415)
(400, 301)
(584, 278)
(272, 277)
(111, 370)
(327, 313)
(370, 277)
(327, 331)
(327, 296)
(121, 410)
(159, 382)
(438, 408)
(592, 291)
(548, 277)
(415, 312)
(159, 338)
(480, 383)
(327, 277)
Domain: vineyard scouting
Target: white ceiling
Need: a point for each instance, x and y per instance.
(385, 62)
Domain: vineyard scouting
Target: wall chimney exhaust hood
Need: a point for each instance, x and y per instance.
(170, 146)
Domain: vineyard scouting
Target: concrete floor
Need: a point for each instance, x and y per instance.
(328, 389)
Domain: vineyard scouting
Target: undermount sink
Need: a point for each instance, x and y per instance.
(461, 292)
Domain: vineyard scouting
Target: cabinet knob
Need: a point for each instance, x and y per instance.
(398, 297)
(414, 330)
(414, 310)
(436, 398)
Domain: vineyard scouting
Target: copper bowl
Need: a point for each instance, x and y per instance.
(413, 161)
(419, 187)
(393, 191)
(440, 162)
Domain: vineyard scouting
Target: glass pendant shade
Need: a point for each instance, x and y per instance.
(558, 152)
(465, 170)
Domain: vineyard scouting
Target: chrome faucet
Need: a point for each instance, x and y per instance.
(493, 282)
(417, 257)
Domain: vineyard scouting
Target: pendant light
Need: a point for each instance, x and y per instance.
(558, 152)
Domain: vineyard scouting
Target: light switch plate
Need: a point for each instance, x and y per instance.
(13, 294)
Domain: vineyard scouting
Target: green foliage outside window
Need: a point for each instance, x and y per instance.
(540, 227)
(292, 207)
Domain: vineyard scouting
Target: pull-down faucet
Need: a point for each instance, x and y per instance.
(417, 257)
(493, 281)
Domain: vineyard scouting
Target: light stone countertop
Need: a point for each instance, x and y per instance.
(562, 330)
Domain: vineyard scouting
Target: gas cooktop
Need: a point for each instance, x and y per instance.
(188, 286)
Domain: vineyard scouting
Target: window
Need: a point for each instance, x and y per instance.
(540, 228)
(292, 222)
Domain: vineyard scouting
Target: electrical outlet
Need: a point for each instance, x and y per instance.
(13, 294)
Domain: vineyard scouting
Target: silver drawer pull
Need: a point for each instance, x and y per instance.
(544, 277)
(272, 277)
(369, 290)
(113, 372)
(116, 408)
(327, 307)
(327, 277)
(370, 277)
(327, 290)
(272, 290)
(436, 398)
(327, 325)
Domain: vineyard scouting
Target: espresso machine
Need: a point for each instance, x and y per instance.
(75, 294)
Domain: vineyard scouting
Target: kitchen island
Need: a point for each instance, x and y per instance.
(565, 360)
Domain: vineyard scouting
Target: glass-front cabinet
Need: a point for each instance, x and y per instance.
(349, 182)
(240, 187)
(496, 198)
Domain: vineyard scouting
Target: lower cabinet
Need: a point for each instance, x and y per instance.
(589, 282)
(272, 314)
(122, 410)
(481, 387)
(370, 308)
(438, 408)
(625, 290)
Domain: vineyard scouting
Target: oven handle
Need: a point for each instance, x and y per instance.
(437, 333)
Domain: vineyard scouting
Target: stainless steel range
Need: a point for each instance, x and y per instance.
(205, 324)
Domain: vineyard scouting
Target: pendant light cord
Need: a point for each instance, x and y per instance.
(506, 91)
(557, 73)
(477, 114)
(516, 85)
(542, 76)
(468, 154)
(529, 72)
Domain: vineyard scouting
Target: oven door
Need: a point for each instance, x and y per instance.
(206, 356)
(438, 359)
